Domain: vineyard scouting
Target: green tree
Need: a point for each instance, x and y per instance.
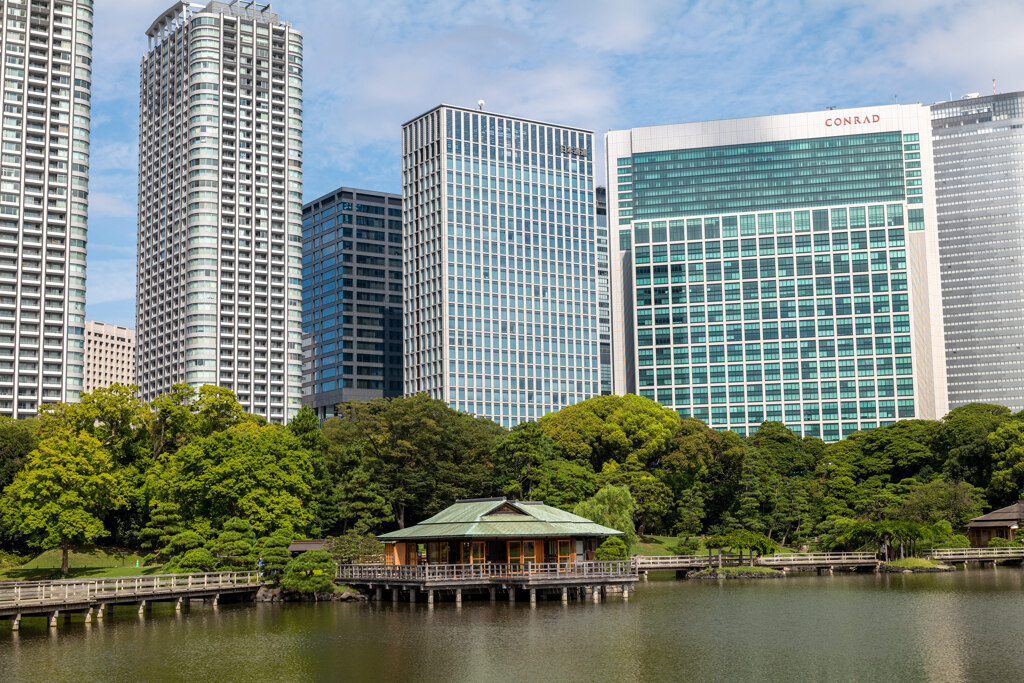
(358, 502)
(356, 547)
(613, 548)
(164, 524)
(653, 498)
(1007, 446)
(563, 484)
(273, 551)
(607, 428)
(234, 547)
(18, 438)
(938, 500)
(311, 572)
(518, 456)
(258, 473)
(962, 441)
(613, 507)
(196, 560)
(58, 499)
(182, 542)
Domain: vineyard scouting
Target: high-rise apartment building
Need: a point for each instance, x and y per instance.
(220, 206)
(500, 257)
(979, 193)
(604, 302)
(44, 175)
(780, 268)
(109, 355)
(351, 298)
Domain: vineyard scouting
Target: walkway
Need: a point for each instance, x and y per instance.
(780, 561)
(975, 554)
(49, 598)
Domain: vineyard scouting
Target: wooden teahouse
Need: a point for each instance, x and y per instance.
(497, 531)
(1001, 523)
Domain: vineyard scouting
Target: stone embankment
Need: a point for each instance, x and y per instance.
(888, 568)
(733, 573)
(344, 594)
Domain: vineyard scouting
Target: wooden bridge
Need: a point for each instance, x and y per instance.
(785, 561)
(966, 555)
(91, 596)
(584, 578)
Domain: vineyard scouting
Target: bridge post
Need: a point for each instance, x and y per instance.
(394, 595)
(99, 611)
(142, 606)
(458, 597)
(177, 604)
(625, 592)
(53, 618)
(511, 593)
(494, 593)
(533, 597)
(88, 615)
(430, 597)
(645, 575)
(16, 622)
(216, 599)
(412, 594)
(565, 595)
(597, 594)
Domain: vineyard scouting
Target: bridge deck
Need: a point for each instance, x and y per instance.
(808, 560)
(489, 574)
(975, 554)
(27, 598)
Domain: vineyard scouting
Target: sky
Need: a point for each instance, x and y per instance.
(370, 65)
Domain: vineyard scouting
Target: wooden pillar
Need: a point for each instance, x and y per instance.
(625, 591)
(412, 595)
(99, 611)
(458, 597)
(16, 622)
(88, 615)
(645, 575)
(177, 605)
(511, 593)
(830, 570)
(379, 594)
(142, 606)
(533, 597)
(394, 595)
(216, 599)
(597, 594)
(430, 597)
(53, 618)
(494, 593)
(565, 595)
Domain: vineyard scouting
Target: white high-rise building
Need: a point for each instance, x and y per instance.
(220, 206)
(501, 281)
(109, 355)
(47, 56)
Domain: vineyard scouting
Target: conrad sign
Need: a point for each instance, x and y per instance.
(852, 120)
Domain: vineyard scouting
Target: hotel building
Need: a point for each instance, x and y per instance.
(779, 268)
(979, 188)
(220, 206)
(351, 298)
(501, 307)
(46, 49)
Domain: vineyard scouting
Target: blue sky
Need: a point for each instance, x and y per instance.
(603, 64)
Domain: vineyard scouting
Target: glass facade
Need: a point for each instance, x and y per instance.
(770, 280)
(351, 298)
(979, 171)
(501, 314)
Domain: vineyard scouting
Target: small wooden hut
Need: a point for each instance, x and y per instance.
(1001, 523)
(496, 531)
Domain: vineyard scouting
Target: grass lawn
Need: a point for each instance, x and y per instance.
(911, 562)
(91, 561)
(655, 545)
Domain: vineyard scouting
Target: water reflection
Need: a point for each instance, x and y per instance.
(842, 627)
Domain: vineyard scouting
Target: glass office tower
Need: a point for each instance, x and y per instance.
(979, 185)
(351, 298)
(500, 263)
(779, 268)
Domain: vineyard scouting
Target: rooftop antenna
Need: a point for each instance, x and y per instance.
(896, 99)
(993, 86)
(831, 108)
(480, 105)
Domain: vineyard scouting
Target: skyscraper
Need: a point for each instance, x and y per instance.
(109, 355)
(979, 190)
(780, 268)
(351, 298)
(500, 263)
(220, 206)
(47, 55)
(604, 302)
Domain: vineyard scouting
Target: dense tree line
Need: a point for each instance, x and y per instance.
(193, 479)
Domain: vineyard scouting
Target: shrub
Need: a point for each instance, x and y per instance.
(612, 549)
(956, 541)
(197, 560)
(311, 572)
(686, 545)
(353, 546)
(1001, 543)
(273, 550)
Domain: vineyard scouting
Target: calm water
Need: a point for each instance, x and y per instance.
(966, 626)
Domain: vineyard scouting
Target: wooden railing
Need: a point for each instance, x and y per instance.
(786, 559)
(427, 573)
(65, 591)
(674, 561)
(954, 554)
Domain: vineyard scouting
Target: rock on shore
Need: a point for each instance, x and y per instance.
(266, 594)
(713, 573)
(916, 570)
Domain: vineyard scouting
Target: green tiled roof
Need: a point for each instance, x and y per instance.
(497, 517)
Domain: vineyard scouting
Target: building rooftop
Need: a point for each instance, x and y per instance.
(1009, 515)
(493, 517)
